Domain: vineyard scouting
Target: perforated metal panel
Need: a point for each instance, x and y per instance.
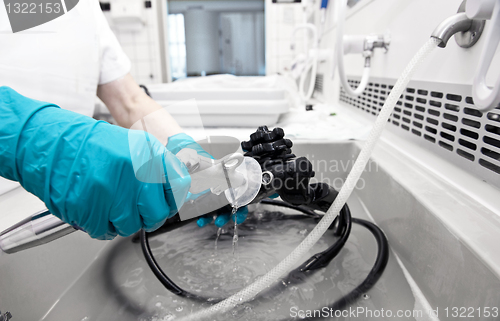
(442, 118)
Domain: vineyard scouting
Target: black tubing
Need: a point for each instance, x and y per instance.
(376, 271)
(316, 261)
(162, 277)
(374, 274)
(284, 204)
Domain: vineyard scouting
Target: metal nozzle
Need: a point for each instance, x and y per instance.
(446, 29)
(466, 31)
(38, 229)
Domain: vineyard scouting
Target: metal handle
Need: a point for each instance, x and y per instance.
(486, 98)
(38, 229)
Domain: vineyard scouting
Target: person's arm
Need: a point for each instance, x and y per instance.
(105, 179)
(128, 104)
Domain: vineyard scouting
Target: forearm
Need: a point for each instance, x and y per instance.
(129, 105)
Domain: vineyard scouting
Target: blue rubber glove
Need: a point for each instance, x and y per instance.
(99, 177)
(180, 141)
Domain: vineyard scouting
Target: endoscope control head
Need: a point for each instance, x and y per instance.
(282, 171)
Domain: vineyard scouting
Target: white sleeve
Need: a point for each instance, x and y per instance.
(113, 61)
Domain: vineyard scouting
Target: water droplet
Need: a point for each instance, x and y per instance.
(178, 309)
(366, 296)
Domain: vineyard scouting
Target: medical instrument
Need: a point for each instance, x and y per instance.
(289, 262)
(35, 230)
(289, 176)
(358, 167)
(234, 179)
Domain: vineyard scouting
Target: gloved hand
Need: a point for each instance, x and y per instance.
(105, 179)
(180, 141)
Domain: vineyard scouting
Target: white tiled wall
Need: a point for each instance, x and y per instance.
(280, 22)
(142, 45)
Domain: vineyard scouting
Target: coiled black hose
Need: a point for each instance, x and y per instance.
(318, 260)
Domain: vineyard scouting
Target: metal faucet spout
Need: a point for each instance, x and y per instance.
(446, 29)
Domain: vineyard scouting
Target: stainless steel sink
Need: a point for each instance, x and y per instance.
(434, 264)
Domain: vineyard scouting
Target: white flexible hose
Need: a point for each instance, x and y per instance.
(291, 260)
(339, 51)
(313, 66)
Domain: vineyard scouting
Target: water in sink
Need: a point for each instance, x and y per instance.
(120, 286)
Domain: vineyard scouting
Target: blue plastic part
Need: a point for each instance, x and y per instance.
(204, 220)
(241, 215)
(222, 219)
(83, 169)
(324, 4)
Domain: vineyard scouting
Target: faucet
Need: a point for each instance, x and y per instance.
(5, 317)
(450, 26)
(467, 26)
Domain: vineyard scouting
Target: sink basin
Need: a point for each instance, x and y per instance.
(435, 261)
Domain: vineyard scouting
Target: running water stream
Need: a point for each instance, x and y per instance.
(219, 231)
(235, 239)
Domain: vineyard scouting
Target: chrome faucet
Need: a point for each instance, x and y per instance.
(5, 317)
(467, 31)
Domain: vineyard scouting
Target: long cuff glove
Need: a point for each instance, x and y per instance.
(99, 177)
(180, 141)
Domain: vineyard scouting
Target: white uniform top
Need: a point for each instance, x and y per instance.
(63, 60)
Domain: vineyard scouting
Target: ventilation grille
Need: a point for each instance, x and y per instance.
(318, 85)
(441, 117)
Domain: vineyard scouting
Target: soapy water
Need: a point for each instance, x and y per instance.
(265, 238)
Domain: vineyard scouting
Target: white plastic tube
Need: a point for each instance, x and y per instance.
(311, 63)
(304, 94)
(339, 52)
(291, 260)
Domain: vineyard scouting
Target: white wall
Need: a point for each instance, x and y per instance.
(280, 21)
(141, 44)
